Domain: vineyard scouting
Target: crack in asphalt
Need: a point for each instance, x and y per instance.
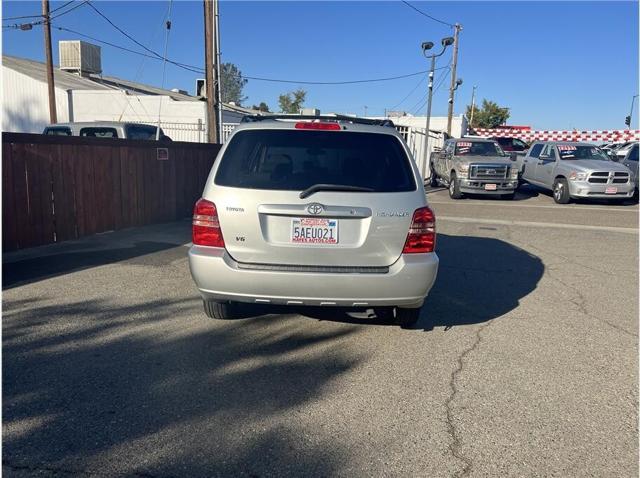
(580, 300)
(455, 445)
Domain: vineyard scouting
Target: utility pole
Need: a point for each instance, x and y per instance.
(454, 63)
(473, 105)
(216, 12)
(209, 61)
(53, 117)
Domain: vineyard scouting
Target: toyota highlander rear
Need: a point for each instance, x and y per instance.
(323, 213)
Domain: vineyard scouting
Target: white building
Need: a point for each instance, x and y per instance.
(101, 98)
(459, 124)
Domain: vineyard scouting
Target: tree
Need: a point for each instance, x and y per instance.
(490, 115)
(261, 107)
(292, 102)
(232, 84)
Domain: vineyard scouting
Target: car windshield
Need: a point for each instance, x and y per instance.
(568, 151)
(478, 148)
(294, 160)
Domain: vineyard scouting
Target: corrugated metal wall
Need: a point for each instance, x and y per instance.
(25, 103)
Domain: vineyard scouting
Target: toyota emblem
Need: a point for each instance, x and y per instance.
(315, 208)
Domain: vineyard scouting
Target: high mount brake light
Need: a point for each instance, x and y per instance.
(316, 125)
(422, 232)
(206, 226)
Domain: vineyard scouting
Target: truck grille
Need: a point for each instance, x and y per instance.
(602, 177)
(488, 171)
(620, 177)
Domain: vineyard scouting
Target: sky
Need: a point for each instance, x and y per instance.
(556, 65)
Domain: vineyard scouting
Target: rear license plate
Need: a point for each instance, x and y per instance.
(490, 187)
(314, 230)
(611, 191)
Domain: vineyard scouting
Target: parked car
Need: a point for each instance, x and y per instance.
(511, 145)
(576, 170)
(621, 151)
(106, 129)
(322, 211)
(631, 162)
(474, 166)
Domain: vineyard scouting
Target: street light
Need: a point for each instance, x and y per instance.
(426, 46)
(628, 118)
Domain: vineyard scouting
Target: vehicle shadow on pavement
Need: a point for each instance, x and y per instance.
(97, 387)
(479, 279)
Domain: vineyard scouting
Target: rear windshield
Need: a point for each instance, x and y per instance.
(99, 132)
(135, 131)
(478, 148)
(293, 160)
(567, 151)
(60, 131)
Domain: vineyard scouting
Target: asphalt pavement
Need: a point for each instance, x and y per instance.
(524, 361)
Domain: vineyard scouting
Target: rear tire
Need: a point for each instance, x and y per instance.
(407, 318)
(433, 177)
(219, 310)
(561, 191)
(454, 187)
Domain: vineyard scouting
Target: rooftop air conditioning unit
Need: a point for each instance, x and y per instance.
(80, 57)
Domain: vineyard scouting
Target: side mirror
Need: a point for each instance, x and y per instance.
(513, 156)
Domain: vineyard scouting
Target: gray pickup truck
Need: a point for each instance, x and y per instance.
(473, 166)
(576, 170)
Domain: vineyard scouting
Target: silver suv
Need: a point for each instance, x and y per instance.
(321, 211)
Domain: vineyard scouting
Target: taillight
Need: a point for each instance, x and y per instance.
(206, 227)
(422, 232)
(316, 125)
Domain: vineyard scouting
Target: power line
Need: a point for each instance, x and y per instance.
(440, 80)
(123, 32)
(30, 25)
(52, 11)
(193, 69)
(196, 69)
(426, 14)
(67, 11)
(348, 82)
(409, 94)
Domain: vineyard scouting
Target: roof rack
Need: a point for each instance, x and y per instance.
(350, 119)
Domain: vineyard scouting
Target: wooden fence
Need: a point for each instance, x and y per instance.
(58, 188)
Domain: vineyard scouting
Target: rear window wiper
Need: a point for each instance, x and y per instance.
(332, 187)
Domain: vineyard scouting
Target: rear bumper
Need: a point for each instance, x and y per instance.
(476, 186)
(584, 189)
(407, 283)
